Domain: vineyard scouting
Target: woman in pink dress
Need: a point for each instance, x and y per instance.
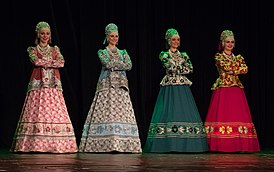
(228, 124)
(44, 124)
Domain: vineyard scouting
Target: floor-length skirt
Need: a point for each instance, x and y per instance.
(228, 124)
(110, 125)
(44, 124)
(176, 124)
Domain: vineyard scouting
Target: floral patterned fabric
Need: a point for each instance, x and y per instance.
(44, 124)
(177, 65)
(110, 124)
(45, 72)
(225, 64)
(228, 124)
(230, 130)
(176, 125)
(176, 129)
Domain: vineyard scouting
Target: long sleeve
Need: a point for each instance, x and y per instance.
(33, 54)
(126, 63)
(228, 71)
(186, 66)
(167, 62)
(45, 73)
(53, 60)
(113, 73)
(181, 67)
(176, 66)
(222, 64)
(119, 63)
(58, 61)
(240, 67)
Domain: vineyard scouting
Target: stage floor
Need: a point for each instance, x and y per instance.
(263, 161)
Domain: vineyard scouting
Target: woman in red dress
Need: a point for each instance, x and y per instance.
(228, 124)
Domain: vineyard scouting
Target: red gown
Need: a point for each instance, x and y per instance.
(228, 124)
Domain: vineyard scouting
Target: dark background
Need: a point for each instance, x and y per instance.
(78, 30)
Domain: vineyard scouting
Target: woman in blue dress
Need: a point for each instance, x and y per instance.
(110, 124)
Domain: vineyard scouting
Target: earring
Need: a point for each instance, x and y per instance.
(36, 41)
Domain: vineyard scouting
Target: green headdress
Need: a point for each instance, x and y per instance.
(224, 35)
(111, 27)
(170, 33)
(42, 25)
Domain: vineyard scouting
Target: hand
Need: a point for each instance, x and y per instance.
(230, 72)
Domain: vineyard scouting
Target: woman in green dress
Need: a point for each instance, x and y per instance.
(176, 125)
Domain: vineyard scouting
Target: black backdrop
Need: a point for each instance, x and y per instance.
(78, 29)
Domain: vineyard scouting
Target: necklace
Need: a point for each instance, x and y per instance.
(44, 51)
(114, 53)
(229, 57)
(175, 55)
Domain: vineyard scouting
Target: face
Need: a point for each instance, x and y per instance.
(113, 38)
(44, 36)
(229, 43)
(174, 42)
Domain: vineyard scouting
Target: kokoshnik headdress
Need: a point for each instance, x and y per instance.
(225, 34)
(109, 29)
(170, 33)
(41, 26)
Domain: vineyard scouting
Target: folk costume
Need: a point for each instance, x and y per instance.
(176, 125)
(228, 124)
(110, 125)
(44, 124)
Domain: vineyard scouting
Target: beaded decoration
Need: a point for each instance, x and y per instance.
(224, 35)
(42, 25)
(111, 27)
(170, 33)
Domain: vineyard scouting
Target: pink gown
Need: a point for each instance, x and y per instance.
(44, 124)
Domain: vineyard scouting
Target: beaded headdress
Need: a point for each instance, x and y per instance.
(225, 34)
(170, 33)
(111, 27)
(42, 25)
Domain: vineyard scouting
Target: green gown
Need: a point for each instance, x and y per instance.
(176, 125)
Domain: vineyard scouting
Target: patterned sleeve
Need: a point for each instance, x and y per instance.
(35, 60)
(113, 64)
(105, 61)
(167, 62)
(59, 59)
(186, 67)
(241, 67)
(223, 64)
(126, 64)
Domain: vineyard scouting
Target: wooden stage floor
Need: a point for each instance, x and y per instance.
(37, 162)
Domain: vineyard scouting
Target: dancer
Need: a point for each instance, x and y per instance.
(176, 125)
(228, 124)
(44, 124)
(110, 125)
